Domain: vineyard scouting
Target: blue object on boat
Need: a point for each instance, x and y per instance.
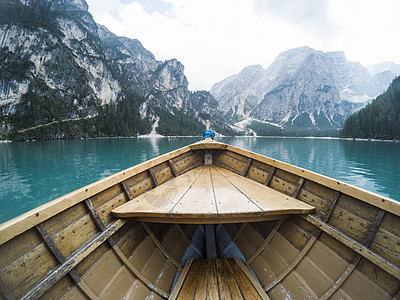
(208, 133)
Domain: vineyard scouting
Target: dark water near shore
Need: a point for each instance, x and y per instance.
(34, 173)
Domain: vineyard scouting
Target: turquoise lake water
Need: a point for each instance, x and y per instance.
(34, 173)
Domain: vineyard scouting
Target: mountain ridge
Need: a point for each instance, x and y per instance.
(61, 65)
(302, 88)
(64, 76)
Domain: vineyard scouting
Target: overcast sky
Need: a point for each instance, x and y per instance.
(217, 38)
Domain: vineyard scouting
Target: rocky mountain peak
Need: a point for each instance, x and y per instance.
(383, 67)
(170, 75)
(64, 5)
(302, 88)
(57, 66)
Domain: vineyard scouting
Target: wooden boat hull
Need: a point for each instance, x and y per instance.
(347, 248)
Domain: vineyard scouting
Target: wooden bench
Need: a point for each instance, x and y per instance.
(211, 195)
(220, 278)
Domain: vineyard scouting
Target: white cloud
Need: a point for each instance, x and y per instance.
(368, 29)
(214, 39)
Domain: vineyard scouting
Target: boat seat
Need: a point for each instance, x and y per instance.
(219, 278)
(211, 195)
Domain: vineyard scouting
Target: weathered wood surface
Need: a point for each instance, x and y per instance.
(18, 225)
(380, 201)
(220, 278)
(73, 247)
(210, 192)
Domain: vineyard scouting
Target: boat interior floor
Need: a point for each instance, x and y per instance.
(219, 278)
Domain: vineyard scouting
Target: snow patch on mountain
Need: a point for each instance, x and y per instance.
(302, 88)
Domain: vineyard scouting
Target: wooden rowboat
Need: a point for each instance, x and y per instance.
(206, 221)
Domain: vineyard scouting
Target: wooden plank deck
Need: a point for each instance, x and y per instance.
(210, 194)
(220, 278)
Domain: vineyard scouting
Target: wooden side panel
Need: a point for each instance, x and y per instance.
(102, 272)
(286, 250)
(75, 294)
(305, 226)
(231, 161)
(187, 161)
(119, 286)
(353, 217)
(106, 195)
(64, 219)
(91, 259)
(358, 286)
(153, 266)
(249, 241)
(75, 235)
(280, 293)
(27, 269)
(109, 278)
(274, 259)
(387, 282)
(117, 236)
(140, 291)
(327, 260)
(263, 271)
(284, 182)
(104, 210)
(58, 290)
(316, 195)
(294, 234)
(258, 172)
(166, 277)
(134, 180)
(264, 228)
(132, 239)
(107, 200)
(342, 250)
(13, 249)
(162, 173)
(387, 240)
(296, 286)
(141, 187)
(339, 295)
(235, 156)
(175, 244)
(142, 253)
(315, 278)
(154, 270)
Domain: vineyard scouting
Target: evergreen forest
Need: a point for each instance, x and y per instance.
(378, 120)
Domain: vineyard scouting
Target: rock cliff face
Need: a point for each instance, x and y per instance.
(301, 88)
(54, 52)
(62, 55)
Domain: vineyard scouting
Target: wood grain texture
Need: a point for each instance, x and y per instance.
(220, 278)
(211, 194)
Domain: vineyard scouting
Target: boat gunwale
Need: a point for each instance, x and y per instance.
(29, 219)
(380, 201)
(24, 222)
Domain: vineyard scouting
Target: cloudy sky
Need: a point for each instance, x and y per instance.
(217, 38)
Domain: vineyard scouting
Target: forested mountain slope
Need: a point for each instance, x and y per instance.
(64, 76)
(379, 119)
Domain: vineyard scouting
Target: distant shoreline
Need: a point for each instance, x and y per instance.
(217, 137)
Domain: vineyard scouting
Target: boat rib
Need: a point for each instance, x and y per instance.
(208, 220)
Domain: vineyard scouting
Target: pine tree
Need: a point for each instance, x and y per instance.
(379, 119)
